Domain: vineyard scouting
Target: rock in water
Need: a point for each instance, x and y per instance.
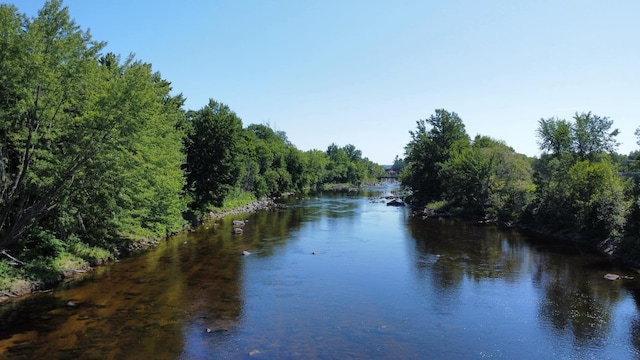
(612, 277)
(395, 202)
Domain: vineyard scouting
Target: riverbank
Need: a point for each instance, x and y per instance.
(263, 204)
(20, 287)
(607, 247)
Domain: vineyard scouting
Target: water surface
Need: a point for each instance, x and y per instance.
(337, 276)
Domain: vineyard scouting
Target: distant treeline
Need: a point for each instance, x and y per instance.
(96, 152)
(579, 188)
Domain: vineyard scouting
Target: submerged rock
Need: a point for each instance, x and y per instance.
(395, 202)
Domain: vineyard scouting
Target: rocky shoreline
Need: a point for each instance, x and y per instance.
(21, 288)
(263, 204)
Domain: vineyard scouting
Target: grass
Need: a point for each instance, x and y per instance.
(7, 274)
(43, 271)
(235, 200)
(15, 278)
(441, 205)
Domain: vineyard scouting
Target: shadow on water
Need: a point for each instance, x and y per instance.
(147, 305)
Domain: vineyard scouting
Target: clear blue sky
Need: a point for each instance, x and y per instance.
(362, 72)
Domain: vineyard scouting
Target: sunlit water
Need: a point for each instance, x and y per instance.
(337, 276)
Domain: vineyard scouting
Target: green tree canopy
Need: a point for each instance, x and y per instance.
(554, 135)
(88, 145)
(588, 137)
(489, 179)
(398, 164)
(578, 186)
(593, 135)
(430, 147)
(213, 156)
(346, 165)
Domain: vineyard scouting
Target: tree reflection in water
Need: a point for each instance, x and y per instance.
(575, 300)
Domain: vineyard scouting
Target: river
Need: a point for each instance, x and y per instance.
(337, 276)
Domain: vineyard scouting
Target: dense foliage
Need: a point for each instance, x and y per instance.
(97, 154)
(431, 146)
(88, 145)
(212, 154)
(488, 178)
(223, 158)
(578, 187)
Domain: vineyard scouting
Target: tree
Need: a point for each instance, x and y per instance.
(346, 165)
(588, 137)
(315, 168)
(630, 246)
(554, 136)
(430, 147)
(468, 180)
(579, 187)
(273, 156)
(88, 146)
(48, 62)
(296, 168)
(154, 179)
(398, 165)
(592, 136)
(213, 166)
(338, 167)
(136, 178)
(353, 154)
(489, 179)
(597, 195)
